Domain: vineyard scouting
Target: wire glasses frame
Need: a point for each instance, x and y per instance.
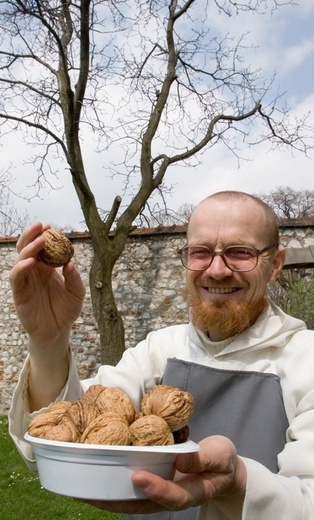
(238, 258)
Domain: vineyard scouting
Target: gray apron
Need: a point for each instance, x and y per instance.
(246, 407)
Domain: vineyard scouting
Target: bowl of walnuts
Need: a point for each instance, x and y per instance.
(89, 449)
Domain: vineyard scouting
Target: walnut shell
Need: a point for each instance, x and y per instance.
(82, 412)
(112, 399)
(64, 431)
(58, 249)
(39, 425)
(181, 435)
(93, 392)
(150, 430)
(108, 428)
(170, 403)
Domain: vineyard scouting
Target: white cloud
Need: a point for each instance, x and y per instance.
(296, 55)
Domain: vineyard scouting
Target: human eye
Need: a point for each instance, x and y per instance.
(199, 253)
(240, 253)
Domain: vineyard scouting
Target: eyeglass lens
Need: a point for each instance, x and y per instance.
(236, 258)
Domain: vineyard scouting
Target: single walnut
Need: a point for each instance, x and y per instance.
(108, 428)
(39, 425)
(112, 399)
(82, 412)
(64, 431)
(170, 403)
(181, 435)
(93, 392)
(150, 430)
(58, 249)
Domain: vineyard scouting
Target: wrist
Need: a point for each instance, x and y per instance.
(48, 373)
(44, 349)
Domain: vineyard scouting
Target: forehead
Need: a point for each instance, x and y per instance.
(225, 222)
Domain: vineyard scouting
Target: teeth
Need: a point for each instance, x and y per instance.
(222, 290)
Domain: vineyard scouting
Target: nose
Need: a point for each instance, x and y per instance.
(218, 268)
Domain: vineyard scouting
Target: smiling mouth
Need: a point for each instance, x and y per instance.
(221, 290)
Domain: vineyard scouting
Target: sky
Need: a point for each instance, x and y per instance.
(284, 45)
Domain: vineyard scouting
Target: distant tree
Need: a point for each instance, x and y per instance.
(185, 211)
(289, 203)
(166, 217)
(294, 293)
(12, 219)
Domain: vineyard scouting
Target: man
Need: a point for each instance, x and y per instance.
(249, 366)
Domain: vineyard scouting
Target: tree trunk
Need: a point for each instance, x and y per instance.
(108, 317)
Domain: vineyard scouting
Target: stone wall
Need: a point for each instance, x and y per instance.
(148, 281)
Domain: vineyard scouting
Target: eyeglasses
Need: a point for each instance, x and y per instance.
(236, 258)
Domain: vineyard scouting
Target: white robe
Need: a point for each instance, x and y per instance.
(276, 343)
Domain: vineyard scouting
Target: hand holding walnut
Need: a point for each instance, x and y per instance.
(47, 302)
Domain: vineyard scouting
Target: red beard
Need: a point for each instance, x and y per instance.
(226, 318)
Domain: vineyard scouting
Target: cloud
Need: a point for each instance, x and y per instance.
(284, 43)
(296, 55)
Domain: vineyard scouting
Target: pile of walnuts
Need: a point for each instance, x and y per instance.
(107, 415)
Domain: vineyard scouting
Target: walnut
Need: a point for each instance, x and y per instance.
(112, 399)
(107, 415)
(82, 412)
(64, 431)
(170, 403)
(58, 249)
(93, 392)
(53, 415)
(150, 430)
(108, 428)
(181, 435)
(59, 408)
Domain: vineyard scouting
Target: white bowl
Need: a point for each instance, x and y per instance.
(101, 472)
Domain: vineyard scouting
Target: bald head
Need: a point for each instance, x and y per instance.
(251, 207)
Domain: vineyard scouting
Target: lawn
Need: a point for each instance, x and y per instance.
(22, 497)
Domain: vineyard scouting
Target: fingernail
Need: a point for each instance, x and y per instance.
(140, 481)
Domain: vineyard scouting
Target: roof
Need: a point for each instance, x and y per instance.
(299, 257)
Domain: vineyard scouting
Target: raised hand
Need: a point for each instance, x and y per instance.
(47, 300)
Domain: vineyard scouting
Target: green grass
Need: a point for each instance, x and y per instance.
(23, 498)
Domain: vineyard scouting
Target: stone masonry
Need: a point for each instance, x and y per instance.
(148, 280)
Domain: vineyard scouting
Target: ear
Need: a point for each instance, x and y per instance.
(278, 263)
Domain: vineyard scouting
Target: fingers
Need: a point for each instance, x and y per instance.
(28, 246)
(73, 281)
(131, 507)
(187, 492)
(29, 235)
(27, 271)
(217, 454)
(208, 474)
(203, 476)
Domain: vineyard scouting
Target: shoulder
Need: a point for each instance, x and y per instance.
(162, 343)
(174, 332)
(297, 362)
(302, 340)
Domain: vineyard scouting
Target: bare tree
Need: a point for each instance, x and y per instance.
(13, 219)
(289, 203)
(157, 216)
(148, 76)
